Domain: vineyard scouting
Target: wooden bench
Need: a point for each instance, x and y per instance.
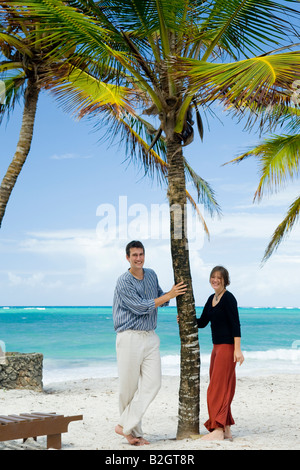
(27, 425)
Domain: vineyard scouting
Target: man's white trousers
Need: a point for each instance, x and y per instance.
(139, 368)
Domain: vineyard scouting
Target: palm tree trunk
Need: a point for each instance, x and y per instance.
(188, 422)
(23, 146)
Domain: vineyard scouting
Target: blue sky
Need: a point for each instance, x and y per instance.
(51, 247)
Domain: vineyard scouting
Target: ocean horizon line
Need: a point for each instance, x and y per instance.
(31, 306)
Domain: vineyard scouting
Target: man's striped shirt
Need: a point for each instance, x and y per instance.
(133, 304)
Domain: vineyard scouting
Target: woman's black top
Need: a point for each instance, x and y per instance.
(223, 318)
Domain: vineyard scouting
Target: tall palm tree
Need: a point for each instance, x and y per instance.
(31, 64)
(139, 42)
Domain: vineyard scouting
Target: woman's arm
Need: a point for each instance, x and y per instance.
(204, 320)
(238, 355)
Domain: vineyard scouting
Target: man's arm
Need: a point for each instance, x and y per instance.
(177, 289)
(131, 300)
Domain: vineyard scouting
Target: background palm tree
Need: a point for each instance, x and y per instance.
(20, 74)
(138, 42)
(30, 64)
(278, 159)
(25, 70)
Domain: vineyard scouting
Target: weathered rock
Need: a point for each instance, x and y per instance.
(22, 370)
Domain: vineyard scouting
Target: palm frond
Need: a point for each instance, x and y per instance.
(81, 93)
(137, 146)
(14, 91)
(259, 81)
(86, 96)
(283, 228)
(278, 158)
(9, 65)
(205, 193)
(196, 208)
(86, 33)
(287, 118)
(247, 26)
(13, 41)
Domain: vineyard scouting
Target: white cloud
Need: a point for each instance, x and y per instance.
(244, 225)
(58, 241)
(273, 201)
(275, 284)
(69, 156)
(30, 280)
(254, 226)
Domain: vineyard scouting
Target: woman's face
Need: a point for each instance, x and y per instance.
(217, 281)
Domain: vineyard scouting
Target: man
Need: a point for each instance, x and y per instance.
(136, 298)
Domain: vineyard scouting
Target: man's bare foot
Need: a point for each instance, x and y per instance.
(216, 435)
(142, 441)
(227, 433)
(134, 441)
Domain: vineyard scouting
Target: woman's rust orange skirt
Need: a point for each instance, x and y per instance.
(221, 388)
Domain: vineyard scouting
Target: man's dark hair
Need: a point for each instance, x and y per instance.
(134, 244)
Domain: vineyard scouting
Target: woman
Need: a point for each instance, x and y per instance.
(222, 313)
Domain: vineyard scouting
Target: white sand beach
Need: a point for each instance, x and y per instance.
(266, 410)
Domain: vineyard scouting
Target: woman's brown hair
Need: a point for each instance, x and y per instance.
(224, 274)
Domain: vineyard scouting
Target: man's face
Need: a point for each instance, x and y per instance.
(136, 258)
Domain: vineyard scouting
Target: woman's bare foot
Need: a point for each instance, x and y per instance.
(134, 441)
(216, 435)
(227, 433)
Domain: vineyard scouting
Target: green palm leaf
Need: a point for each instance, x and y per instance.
(278, 159)
(206, 194)
(248, 81)
(132, 130)
(240, 26)
(15, 42)
(283, 228)
(14, 91)
(82, 93)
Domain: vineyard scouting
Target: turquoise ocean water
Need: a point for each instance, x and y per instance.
(79, 342)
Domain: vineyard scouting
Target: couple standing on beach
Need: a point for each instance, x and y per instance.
(136, 298)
